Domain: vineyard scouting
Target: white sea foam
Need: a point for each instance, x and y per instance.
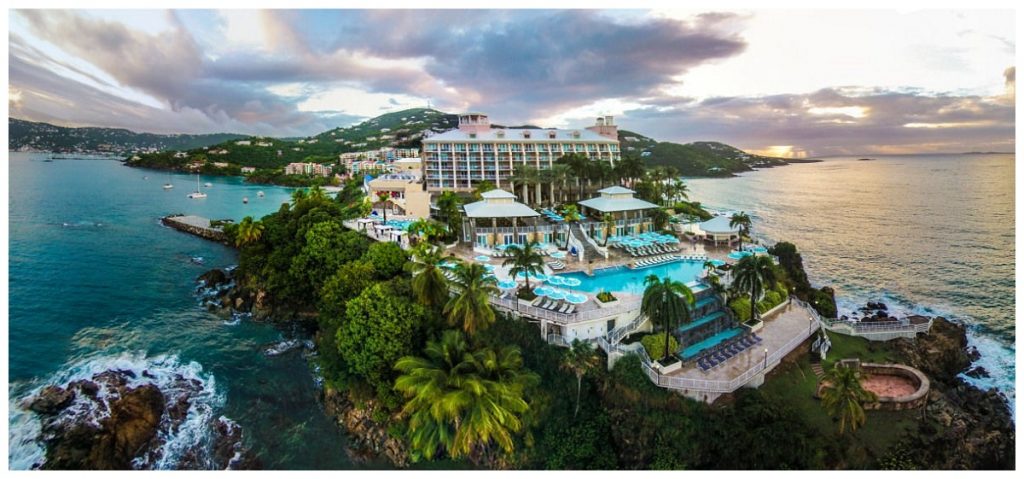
(997, 358)
(175, 379)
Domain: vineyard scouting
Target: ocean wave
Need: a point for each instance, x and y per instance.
(995, 356)
(181, 384)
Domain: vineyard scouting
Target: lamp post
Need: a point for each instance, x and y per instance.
(810, 324)
(765, 359)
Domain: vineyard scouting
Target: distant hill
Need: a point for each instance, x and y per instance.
(400, 129)
(701, 158)
(34, 136)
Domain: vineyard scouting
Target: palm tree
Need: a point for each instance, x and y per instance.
(318, 194)
(608, 222)
(677, 190)
(630, 169)
(249, 232)
(559, 174)
(753, 273)
(428, 283)
(843, 397)
(298, 196)
(578, 359)
(578, 165)
(659, 217)
(471, 305)
(666, 301)
(383, 198)
(710, 266)
(448, 205)
(571, 215)
(481, 188)
(525, 175)
(742, 220)
(425, 229)
(525, 260)
(459, 399)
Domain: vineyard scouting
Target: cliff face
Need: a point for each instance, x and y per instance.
(967, 428)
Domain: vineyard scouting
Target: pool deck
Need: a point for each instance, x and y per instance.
(777, 332)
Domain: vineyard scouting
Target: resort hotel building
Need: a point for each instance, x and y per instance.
(460, 159)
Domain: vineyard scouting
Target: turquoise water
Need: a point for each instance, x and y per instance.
(696, 348)
(96, 281)
(930, 234)
(621, 278)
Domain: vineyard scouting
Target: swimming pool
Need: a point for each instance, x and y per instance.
(621, 278)
(399, 224)
(739, 254)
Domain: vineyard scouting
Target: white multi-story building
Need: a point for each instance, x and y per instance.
(476, 151)
(308, 169)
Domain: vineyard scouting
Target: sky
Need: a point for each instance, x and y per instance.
(793, 83)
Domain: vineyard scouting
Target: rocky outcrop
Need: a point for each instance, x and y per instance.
(220, 293)
(118, 420)
(966, 427)
(368, 437)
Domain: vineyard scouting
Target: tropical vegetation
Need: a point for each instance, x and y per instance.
(667, 303)
(843, 396)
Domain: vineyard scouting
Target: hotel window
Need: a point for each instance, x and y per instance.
(542, 147)
(502, 147)
(488, 147)
(526, 134)
(551, 135)
(500, 134)
(566, 147)
(472, 135)
(474, 147)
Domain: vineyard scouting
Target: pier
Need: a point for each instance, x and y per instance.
(195, 225)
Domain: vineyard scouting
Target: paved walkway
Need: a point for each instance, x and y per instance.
(776, 333)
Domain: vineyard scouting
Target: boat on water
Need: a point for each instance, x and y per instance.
(168, 185)
(208, 185)
(245, 199)
(197, 193)
(259, 194)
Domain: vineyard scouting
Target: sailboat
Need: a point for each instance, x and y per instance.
(197, 193)
(168, 185)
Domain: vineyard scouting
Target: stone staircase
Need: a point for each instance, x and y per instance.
(819, 372)
(589, 251)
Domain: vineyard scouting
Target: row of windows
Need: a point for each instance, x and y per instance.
(543, 157)
(514, 147)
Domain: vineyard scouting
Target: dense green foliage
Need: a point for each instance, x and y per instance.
(47, 137)
(843, 397)
(796, 279)
(667, 303)
(703, 158)
(388, 259)
(655, 345)
(381, 325)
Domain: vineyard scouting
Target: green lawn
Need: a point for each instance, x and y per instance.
(795, 383)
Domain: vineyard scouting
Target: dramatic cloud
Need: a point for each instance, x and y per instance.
(290, 73)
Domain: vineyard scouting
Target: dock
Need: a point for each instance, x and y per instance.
(195, 225)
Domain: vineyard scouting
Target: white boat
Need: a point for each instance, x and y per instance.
(197, 193)
(259, 194)
(245, 199)
(168, 185)
(208, 185)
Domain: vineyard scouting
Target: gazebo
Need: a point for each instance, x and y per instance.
(497, 204)
(620, 203)
(717, 229)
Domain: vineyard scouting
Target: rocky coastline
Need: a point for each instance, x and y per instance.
(969, 428)
(122, 419)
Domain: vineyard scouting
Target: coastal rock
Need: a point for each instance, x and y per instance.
(966, 427)
(129, 428)
(114, 421)
(214, 277)
(369, 438)
(51, 400)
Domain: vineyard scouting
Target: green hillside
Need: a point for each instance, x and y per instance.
(701, 158)
(26, 135)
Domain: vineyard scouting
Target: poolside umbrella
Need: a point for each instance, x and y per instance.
(576, 298)
(535, 277)
(506, 284)
(542, 290)
(556, 281)
(556, 294)
(558, 255)
(482, 258)
(489, 268)
(571, 282)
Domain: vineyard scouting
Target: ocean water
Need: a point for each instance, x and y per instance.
(96, 282)
(931, 234)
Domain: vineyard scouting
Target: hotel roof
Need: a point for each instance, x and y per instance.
(498, 204)
(516, 134)
(617, 198)
(718, 224)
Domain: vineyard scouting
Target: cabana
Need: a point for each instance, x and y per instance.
(717, 229)
(498, 204)
(629, 212)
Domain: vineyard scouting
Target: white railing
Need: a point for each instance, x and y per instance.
(618, 334)
(870, 330)
(575, 242)
(715, 386)
(557, 340)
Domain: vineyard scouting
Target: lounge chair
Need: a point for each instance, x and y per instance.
(572, 309)
(537, 301)
(564, 308)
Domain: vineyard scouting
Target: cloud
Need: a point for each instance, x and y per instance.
(836, 121)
